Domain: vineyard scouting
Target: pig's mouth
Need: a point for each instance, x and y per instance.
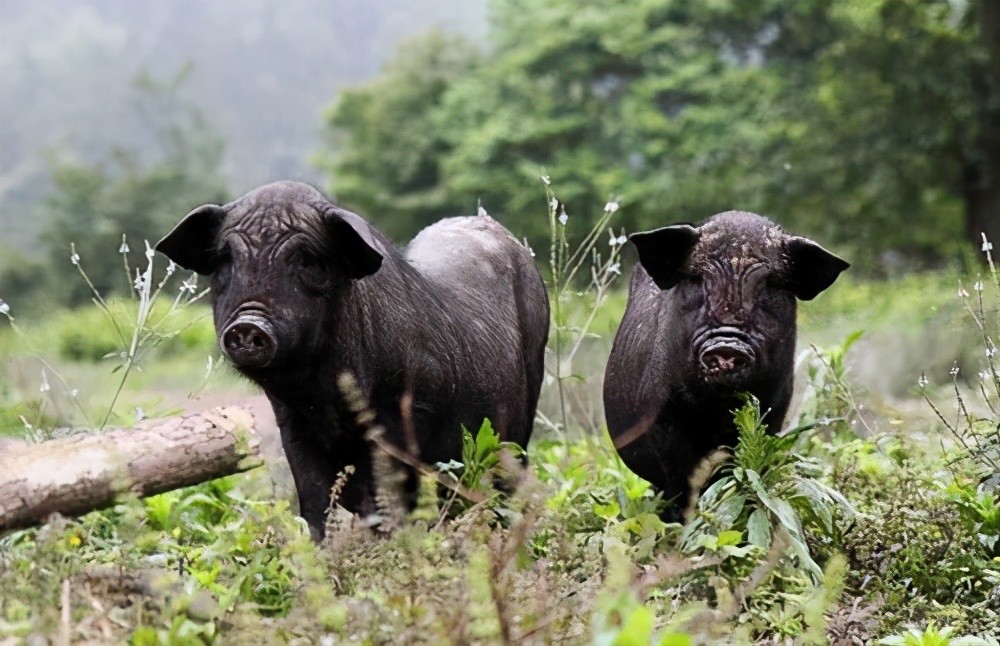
(724, 354)
(249, 339)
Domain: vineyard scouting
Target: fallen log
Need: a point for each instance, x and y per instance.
(77, 474)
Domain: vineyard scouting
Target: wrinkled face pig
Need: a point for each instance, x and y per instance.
(711, 316)
(276, 256)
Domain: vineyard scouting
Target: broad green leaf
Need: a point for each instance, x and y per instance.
(676, 639)
(637, 630)
(759, 528)
(729, 537)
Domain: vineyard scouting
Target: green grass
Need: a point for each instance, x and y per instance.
(577, 552)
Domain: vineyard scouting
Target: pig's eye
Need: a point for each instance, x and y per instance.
(690, 290)
(312, 272)
(223, 270)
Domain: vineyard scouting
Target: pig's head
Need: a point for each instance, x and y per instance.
(734, 282)
(278, 257)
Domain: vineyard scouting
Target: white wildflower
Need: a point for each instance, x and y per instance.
(140, 414)
(978, 286)
(984, 375)
(481, 211)
(962, 293)
(554, 204)
(954, 371)
(74, 258)
(546, 180)
(171, 268)
(124, 248)
(991, 351)
(150, 252)
(615, 269)
(528, 247)
(44, 387)
(563, 218)
(987, 245)
(74, 393)
(923, 381)
(139, 283)
(190, 285)
(4, 307)
(611, 207)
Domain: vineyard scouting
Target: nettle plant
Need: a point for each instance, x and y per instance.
(139, 324)
(770, 491)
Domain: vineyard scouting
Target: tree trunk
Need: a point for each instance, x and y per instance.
(982, 174)
(81, 473)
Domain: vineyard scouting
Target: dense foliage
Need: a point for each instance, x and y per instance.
(868, 124)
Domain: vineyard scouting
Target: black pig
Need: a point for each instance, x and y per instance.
(710, 315)
(303, 291)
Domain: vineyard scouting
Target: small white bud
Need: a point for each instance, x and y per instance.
(922, 381)
(44, 387)
(4, 307)
(563, 218)
(611, 207)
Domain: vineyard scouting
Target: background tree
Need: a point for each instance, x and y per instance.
(390, 164)
(140, 196)
(870, 124)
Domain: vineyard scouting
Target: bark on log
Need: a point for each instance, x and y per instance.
(77, 474)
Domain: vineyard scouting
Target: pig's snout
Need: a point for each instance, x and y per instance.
(724, 359)
(725, 355)
(249, 341)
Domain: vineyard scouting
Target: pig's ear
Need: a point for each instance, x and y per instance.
(192, 243)
(811, 267)
(353, 240)
(663, 252)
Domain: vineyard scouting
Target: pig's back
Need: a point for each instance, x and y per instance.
(496, 296)
(474, 259)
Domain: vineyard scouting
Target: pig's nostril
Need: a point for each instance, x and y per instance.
(723, 359)
(248, 344)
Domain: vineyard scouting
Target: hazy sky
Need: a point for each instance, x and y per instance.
(263, 72)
